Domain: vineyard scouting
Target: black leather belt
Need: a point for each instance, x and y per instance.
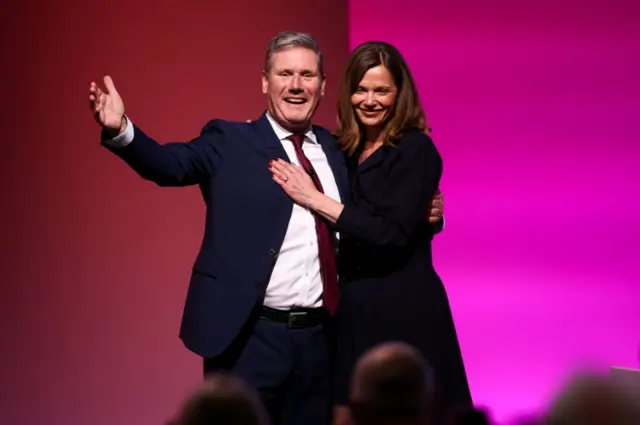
(297, 318)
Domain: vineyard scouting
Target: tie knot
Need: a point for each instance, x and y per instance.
(297, 140)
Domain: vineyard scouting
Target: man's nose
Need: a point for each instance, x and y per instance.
(295, 84)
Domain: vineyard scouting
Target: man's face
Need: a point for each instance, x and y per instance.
(293, 86)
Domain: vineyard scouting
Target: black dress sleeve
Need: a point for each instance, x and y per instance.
(409, 186)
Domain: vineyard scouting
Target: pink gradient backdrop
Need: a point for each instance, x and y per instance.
(535, 109)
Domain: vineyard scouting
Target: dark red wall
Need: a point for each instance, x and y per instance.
(96, 261)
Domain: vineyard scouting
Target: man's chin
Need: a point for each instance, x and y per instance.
(298, 121)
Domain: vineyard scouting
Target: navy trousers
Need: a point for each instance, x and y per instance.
(288, 366)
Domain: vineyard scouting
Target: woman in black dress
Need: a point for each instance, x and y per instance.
(389, 288)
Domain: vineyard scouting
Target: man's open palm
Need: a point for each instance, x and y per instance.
(107, 107)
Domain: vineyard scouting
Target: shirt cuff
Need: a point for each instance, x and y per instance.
(122, 139)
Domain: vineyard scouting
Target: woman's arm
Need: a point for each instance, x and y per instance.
(406, 195)
(300, 187)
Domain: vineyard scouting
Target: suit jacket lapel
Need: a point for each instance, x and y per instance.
(336, 160)
(267, 141)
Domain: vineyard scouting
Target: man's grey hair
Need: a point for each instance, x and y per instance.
(290, 39)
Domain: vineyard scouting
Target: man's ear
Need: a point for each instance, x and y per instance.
(323, 84)
(265, 83)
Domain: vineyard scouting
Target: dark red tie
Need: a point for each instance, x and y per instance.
(326, 248)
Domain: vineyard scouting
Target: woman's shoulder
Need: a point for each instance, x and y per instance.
(416, 142)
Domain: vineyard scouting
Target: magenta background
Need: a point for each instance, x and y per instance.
(534, 107)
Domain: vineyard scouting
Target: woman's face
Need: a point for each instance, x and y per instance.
(374, 96)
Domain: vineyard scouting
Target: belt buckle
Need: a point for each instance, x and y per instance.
(297, 319)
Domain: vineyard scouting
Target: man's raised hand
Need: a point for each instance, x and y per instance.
(107, 106)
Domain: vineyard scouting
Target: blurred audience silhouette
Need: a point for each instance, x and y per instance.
(222, 399)
(393, 384)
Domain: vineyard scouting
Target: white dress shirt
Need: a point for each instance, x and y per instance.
(295, 280)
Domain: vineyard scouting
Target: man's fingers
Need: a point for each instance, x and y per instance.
(108, 83)
(94, 103)
(102, 100)
(437, 201)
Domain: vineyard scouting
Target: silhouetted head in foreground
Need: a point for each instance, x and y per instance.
(222, 400)
(593, 400)
(392, 384)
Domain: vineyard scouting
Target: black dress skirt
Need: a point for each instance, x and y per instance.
(389, 288)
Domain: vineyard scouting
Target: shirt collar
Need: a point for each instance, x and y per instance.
(284, 134)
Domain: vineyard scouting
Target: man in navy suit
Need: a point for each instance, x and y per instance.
(264, 283)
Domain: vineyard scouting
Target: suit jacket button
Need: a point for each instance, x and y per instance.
(272, 252)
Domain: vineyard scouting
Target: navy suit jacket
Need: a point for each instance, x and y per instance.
(247, 215)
